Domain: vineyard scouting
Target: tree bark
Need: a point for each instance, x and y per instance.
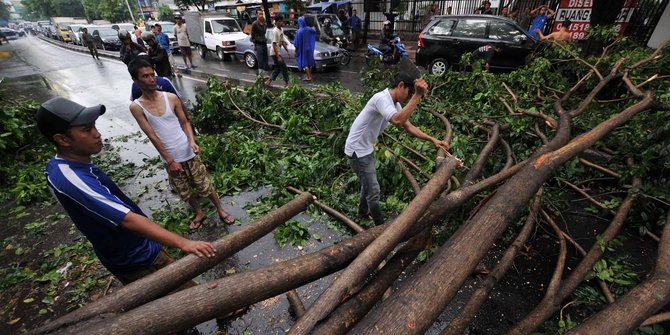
(190, 307)
(464, 317)
(641, 302)
(332, 212)
(364, 264)
(353, 310)
(295, 304)
(478, 165)
(174, 275)
(440, 279)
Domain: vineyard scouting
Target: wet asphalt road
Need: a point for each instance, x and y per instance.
(39, 70)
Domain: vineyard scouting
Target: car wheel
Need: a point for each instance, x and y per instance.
(220, 54)
(346, 57)
(250, 60)
(438, 66)
(202, 51)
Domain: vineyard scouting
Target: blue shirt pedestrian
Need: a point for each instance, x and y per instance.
(163, 41)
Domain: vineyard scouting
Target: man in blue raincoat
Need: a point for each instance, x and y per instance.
(304, 42)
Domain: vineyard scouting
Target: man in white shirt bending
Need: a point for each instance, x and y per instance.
(383, 108)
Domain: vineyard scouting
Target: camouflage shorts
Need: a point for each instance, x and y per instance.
(193, 172)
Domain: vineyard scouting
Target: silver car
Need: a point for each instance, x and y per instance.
(76, 30)
(325, 55)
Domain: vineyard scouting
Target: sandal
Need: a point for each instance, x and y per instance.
(228, 219)
(196, 224)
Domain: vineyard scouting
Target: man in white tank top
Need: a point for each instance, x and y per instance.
(161, 117)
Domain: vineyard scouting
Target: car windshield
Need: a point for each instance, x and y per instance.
(335, 24)
(167, 27)
(107, 32)
(224, 26)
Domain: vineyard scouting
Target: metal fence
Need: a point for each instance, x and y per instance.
(410, 16)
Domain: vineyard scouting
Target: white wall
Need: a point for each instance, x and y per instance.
(662, 31)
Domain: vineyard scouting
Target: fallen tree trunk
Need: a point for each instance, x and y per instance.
(368, 260)
(192, 306)
(346, 315)
(440, 279)
(641, 302)
(174, 275)
(464, 317)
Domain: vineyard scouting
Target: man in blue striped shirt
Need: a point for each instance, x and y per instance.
(127, 243)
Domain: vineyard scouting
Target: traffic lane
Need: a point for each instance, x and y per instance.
(79, 77)
(348, 76)
(39, 67)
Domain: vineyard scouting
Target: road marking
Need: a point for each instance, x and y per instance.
(194, 79)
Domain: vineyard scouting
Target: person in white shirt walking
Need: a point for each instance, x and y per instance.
(277, 43)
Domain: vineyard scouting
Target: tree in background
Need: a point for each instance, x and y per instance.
(165, 13)
(200, 5)
(110, 10)
(49, 8)
(4, 11)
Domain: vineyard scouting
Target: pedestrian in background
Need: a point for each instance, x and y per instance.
(164, 42)
(346, 27)
(304, 42)
(355, 23)
(540, 16)
(524, 18)
(125, 240)
(183, 41)
(129, 49)
(259, 39)
(277, 43)
(138, 36)
(562, 35)
(486, 53)
(87, 40)
(158, 55)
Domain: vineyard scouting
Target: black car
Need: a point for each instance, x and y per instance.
(446, 38)
(106, 38)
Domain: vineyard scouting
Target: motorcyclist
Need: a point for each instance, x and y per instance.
(386, 38)
(158, 55)
(129, 49)
(327, 32)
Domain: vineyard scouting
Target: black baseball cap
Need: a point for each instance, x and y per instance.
(56, 115)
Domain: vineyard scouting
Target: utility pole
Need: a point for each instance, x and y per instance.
(130, 11)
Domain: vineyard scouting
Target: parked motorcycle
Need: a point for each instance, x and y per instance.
(391, 55)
